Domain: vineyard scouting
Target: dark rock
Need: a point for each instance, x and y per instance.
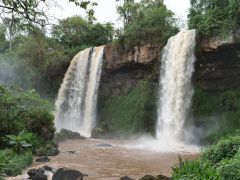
(67, 174)
(50, 169)
(65, 134)
(51, 149)
(43, 159)
(126, 178)
(104, 145)
(162, 177)
(159, 177)
(100, 130)
(37, 174)
(218, 70)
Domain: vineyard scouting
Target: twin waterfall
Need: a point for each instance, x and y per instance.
(77, 98)
(175, 86)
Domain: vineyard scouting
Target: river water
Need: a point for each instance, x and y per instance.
(101, 162)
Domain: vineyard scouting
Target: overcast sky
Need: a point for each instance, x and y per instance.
(106, 10)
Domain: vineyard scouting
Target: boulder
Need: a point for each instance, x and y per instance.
(65, 134)
(126, 178)
(159, 177)
(50, 149)
(37, 174)
(104, 145)
(67, 174)
(43, 159)
(100, 130)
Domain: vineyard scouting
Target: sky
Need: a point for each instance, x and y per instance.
(106, 10)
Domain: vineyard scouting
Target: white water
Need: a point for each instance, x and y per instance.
(77, 97)
(175, 88)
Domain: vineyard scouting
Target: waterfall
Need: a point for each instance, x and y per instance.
(175, 86)
(77, 97)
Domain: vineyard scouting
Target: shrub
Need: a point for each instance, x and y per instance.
(229, 169)
(130, 113)
(195, 170)
(229, 101)
(12, 164)
(214, 17)
(20, 142)
(24, 111)
(226, 148)
(41, 123)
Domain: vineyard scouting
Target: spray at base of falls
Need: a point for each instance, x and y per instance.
(175, 88)
(77, 98)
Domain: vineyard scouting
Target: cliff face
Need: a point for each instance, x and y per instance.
(127, 89)
(218, 66)
(129, 82)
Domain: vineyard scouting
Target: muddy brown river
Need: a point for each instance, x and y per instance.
(112, 159)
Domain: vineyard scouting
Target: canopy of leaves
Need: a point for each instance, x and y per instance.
(76, 32)
(148, 21)
(214, 17)
(32, 13)
(19, 109)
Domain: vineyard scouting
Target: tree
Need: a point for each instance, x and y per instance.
(150, 22)
(127, 11)
(76, 32)
(71, 31)
(12, 29)
(31, 12)
(2, 37)
(214, 17)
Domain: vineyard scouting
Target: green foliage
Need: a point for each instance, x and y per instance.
(220, 112)
(214, 17)
(226, 148)
(19, 143)
(147, 21)
(24, 111)
(220, 161)
(130, 113)
(204, 103)
(230, 168)
(195, 170)
(32, 13)
(14, 163)
(229, 101)
(77, 32)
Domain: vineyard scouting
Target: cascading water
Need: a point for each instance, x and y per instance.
(77, 97)
(175, 86)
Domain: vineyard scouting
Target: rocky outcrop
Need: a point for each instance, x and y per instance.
(65, 134)
(217, 66)
(68, 174)
(125, 74)
(217, 69)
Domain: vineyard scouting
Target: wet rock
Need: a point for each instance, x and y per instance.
(126, 178)
(104, 145)
(159, 177)
(65, 134)
(68, 174)
(37, 174)
(100, 130)
(50, 169)
(51, 149)
(43, 159)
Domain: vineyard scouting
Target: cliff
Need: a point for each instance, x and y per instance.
(129, 82)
